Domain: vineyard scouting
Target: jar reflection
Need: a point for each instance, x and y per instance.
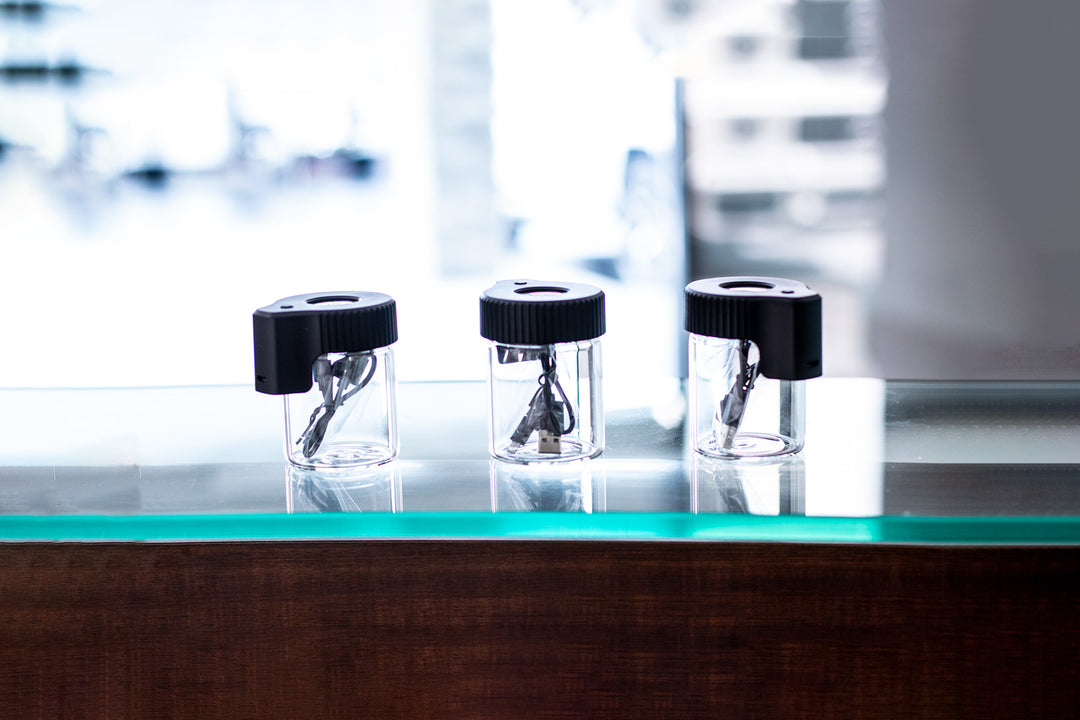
(564, 487)
(375, 489)
(776, 487)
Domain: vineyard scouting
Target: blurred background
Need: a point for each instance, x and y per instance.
(166, 168)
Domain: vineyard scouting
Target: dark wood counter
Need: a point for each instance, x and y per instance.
(515, 629)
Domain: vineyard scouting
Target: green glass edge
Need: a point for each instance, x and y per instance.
(539, 525)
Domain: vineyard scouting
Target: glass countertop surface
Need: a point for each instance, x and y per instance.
(884, 462)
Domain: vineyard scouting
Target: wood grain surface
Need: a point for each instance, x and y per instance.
(464, 629)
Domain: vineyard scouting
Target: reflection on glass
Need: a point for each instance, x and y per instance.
(750, 487)
(376, 489)
(565, 487)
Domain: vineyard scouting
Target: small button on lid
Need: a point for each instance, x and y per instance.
(535, 312)
(783, 317)
(291, 333)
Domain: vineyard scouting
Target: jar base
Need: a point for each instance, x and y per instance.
(530, 452)
(748, 446)
(345, 455)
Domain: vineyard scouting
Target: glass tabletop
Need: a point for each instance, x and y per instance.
(944, 462)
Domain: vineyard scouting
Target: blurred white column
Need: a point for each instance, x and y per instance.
(468, 226)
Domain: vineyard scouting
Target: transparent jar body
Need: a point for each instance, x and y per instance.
(546, 401)
(349, 416)
(735, 414)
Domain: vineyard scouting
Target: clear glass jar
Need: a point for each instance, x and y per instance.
(754, 341)
(544, 369)
(546, 402)
(348, 417)
(329, 355)
(734, 411)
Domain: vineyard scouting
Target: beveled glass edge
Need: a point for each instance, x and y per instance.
(544, 526)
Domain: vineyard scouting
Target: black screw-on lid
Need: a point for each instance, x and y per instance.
(291, 333)
(782, 316)
(533, 312)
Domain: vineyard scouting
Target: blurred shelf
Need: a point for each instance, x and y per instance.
(885, 462)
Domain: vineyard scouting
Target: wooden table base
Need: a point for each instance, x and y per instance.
(483, 629)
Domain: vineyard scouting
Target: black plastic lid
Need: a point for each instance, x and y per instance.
(782, 316)
(293, 332)
(533, 312)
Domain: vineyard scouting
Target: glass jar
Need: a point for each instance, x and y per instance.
(753, 343)
(329, 354)
(544, 370)
(347, 418)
